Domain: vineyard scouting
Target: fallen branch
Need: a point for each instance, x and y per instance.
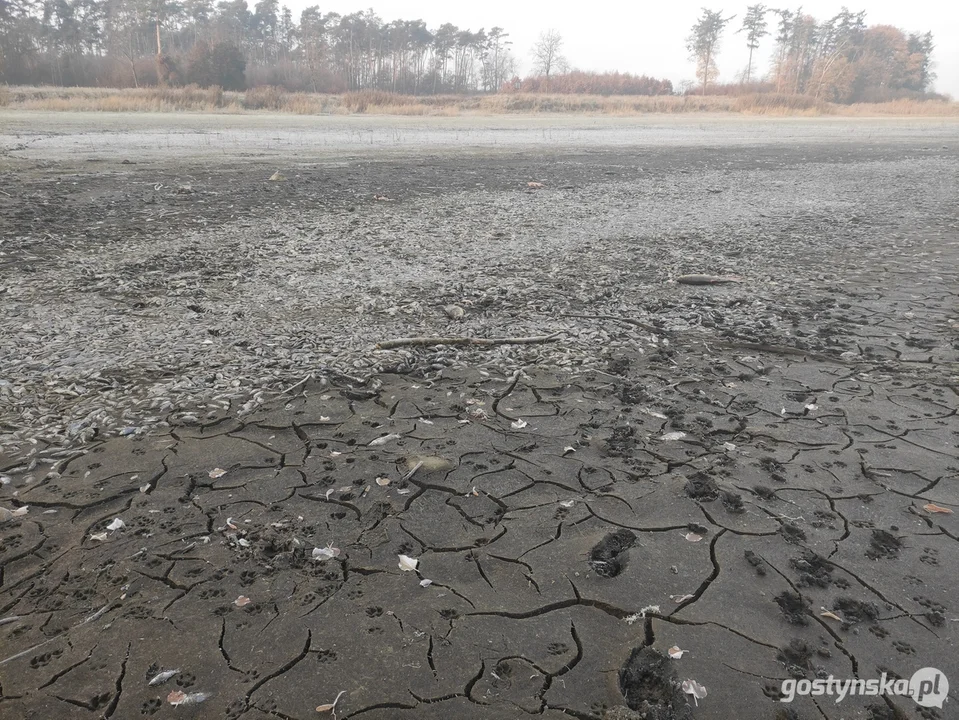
(404, 342)
(628, 321)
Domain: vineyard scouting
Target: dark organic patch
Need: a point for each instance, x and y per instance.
(622, 442)
(756, 561)
(855, 611)
(702, 487)
(608, 556)
(764, 492)
(792, 533)
(794, 606)
(814, 570)
(733, 502)
(633, 393)
(883, 544)
(649, 683)
(795, 656)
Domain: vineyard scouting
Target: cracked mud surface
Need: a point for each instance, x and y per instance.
(770, 453)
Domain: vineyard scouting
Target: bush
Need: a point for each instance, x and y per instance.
(265, 97)
(221, 64)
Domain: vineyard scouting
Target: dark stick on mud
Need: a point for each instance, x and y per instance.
(628, 321)
(403, 342)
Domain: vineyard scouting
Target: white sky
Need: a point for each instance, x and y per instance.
(649, 37)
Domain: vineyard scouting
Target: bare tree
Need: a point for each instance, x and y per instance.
(548, 55)
(703, 44)
(754, 25)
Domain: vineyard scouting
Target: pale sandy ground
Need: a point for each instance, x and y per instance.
(197, 138)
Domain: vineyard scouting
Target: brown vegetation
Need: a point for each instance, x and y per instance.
(276, 99)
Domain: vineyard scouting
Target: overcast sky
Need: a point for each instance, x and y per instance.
(648, 37)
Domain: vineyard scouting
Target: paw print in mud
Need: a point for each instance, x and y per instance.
(557, 648)
(210, 593)
(151, 706)
(374, 611)
(325, 656)
(39, 661)
(186, 680)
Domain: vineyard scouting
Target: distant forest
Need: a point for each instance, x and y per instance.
(138, 43)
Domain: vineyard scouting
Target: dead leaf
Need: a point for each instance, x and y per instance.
(691, 687)
(518, 424)
(242, 601)
(535, 185)
(116, 524)
(217, 472)
(675, 652)
(330, 706)
(176, 697)
(276, 177)
(933, 508)
(325, 553)
(693, 537)
(382, 481)
(425, 583)
(383, 440)
(100, 537)
(408, 564)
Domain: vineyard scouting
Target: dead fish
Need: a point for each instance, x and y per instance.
(706, 279)
(427, 463)
(6, 514)
(162, 677)
(178, 697)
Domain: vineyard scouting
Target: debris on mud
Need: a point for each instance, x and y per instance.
(608, 557)
(651, 687)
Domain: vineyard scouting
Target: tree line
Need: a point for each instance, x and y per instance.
(837, 60)
(133, 43)
(123, 43)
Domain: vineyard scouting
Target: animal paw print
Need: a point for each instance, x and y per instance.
(354, 594)
(308, 599)
(151, 706)
(374, 630)
(186, 680)
(598, 709)
(210, 593)
(404, 548)
(557, 648)
(904, 648)
(39, 661)
(449, 614)
(84, 593)
(235, 709)
(194, 572)
(98, 701)
(247, 577)
(374, 611)
(325, 656)
(879, 631)
(929, 559)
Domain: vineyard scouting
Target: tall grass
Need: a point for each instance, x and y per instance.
(277, 100)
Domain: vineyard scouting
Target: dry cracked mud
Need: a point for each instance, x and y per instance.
(759, 473)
